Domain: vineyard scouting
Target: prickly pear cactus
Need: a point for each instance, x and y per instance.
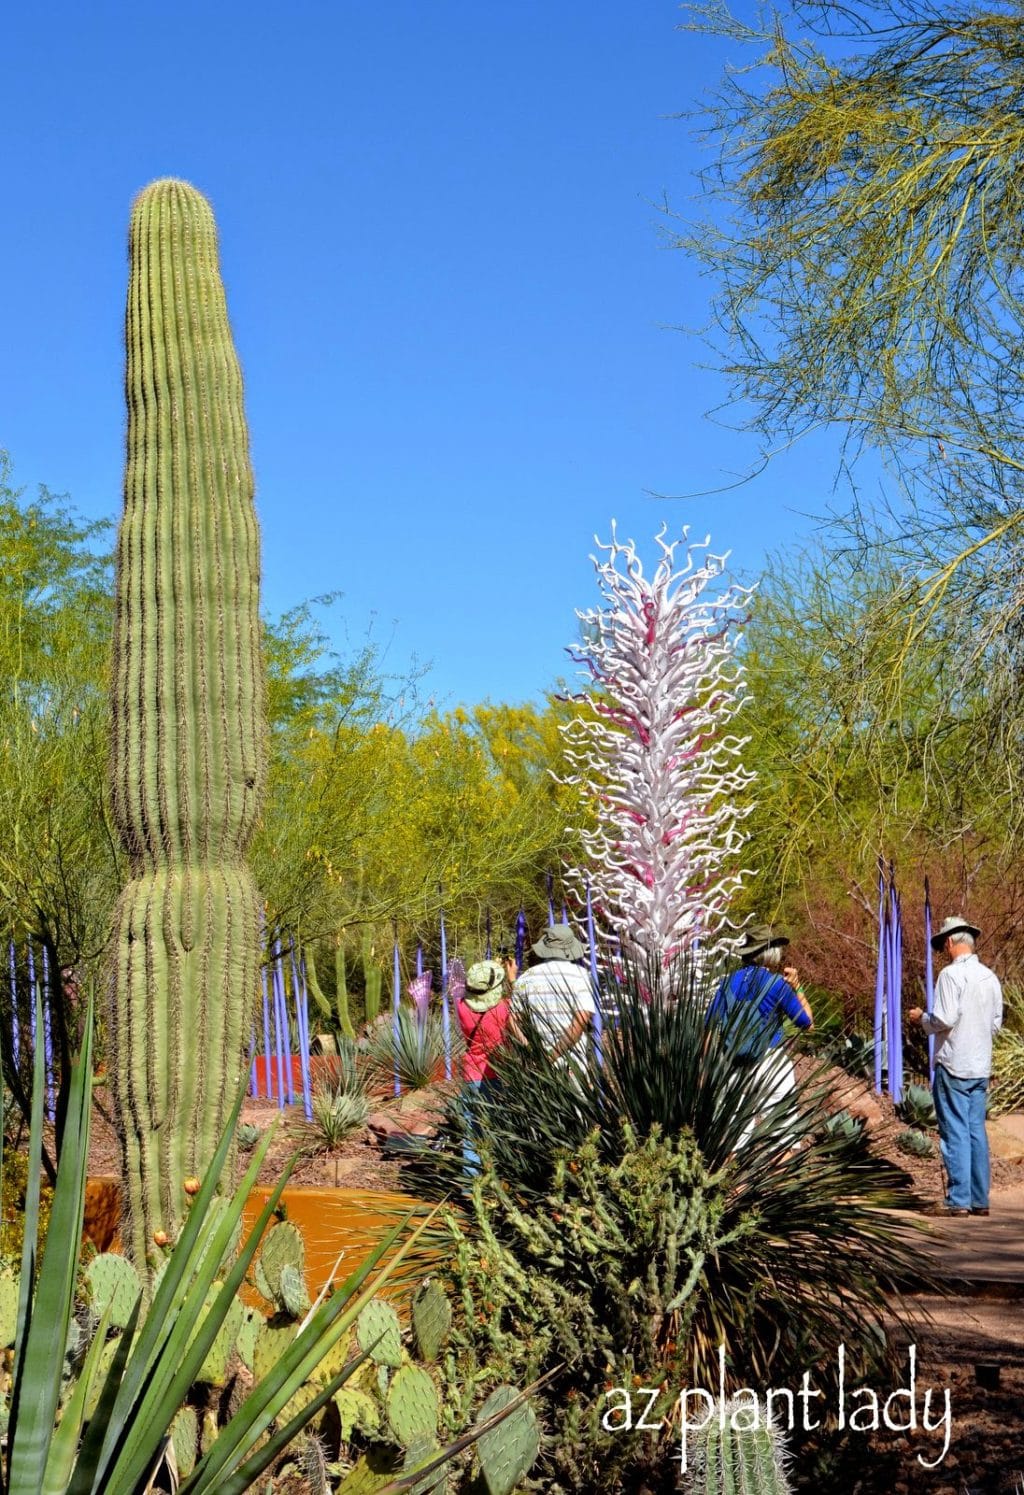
(280, 1269)
(187, 717)
(115, 1284)
(294, 1297)
(272, 1339)
(418, 1454)
(374, 1470)
(214, 1368)
(506, 1452)
(431, 1320)
(412, 1406)
(185, 1439)
(357, 1410)
(9, 1289)
(379, 1333)
(245, 1339)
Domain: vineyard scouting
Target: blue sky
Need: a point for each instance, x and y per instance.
(449, 284)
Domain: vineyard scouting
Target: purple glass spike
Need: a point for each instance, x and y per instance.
(419, 960)
(302, 1024)
(285, 1088)
(880, 983)
(267, 1049)
(929, 977)
(32, 995)
(396, 1002)
(51, 1110)
(15, 1032)
(520, 939)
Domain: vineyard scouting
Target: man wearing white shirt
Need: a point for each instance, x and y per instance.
(966, 1015)
(557, 993)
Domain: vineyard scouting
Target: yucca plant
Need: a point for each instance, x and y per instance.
(117, 1448)
(797, 1252)
(415, 1053)
(344, 1073)
(336, 1115)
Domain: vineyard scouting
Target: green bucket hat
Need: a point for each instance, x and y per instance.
(759, 938)
(485, 985)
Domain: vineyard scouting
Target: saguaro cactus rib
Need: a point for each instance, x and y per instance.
(188, 751)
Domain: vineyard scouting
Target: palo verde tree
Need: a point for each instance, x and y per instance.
(869, 271)
(188, 727)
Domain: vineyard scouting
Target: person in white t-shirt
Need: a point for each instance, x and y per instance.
(557, 993)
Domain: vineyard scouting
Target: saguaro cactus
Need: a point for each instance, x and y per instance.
(188, 752)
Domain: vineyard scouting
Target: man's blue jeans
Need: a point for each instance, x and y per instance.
(960, 1109)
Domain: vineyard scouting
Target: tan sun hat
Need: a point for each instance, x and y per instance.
(955, 924)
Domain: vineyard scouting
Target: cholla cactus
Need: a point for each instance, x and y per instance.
(652, 748)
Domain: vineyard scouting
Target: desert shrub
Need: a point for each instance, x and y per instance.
(917, 1108)
(336, 1115)
(915, 1143)
(1007, 1091)
(416, 1053)
(784, 1250)
(344, 1073)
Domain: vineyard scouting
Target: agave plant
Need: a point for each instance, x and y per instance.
(805, 1252)
(114, 1425)
(917, 1108)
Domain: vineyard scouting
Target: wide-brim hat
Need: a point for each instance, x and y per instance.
(484, 976)
(955, 924)
(759, 938)
(559, 943)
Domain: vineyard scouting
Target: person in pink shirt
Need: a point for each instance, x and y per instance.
(483, 1015)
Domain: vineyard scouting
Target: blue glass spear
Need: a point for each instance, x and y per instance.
(396, 1002)
(880, 978)
(929, 977)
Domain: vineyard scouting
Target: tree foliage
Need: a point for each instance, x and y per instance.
(377, 812)
(869, 272)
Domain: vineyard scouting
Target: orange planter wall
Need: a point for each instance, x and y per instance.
(332, 1221)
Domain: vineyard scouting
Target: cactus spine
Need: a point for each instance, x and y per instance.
(187, 699)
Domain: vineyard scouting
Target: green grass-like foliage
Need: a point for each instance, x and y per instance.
(621, 1225)
(418, 1053)
(120, 1402)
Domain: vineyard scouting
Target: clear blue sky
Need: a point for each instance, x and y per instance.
(448, 281)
